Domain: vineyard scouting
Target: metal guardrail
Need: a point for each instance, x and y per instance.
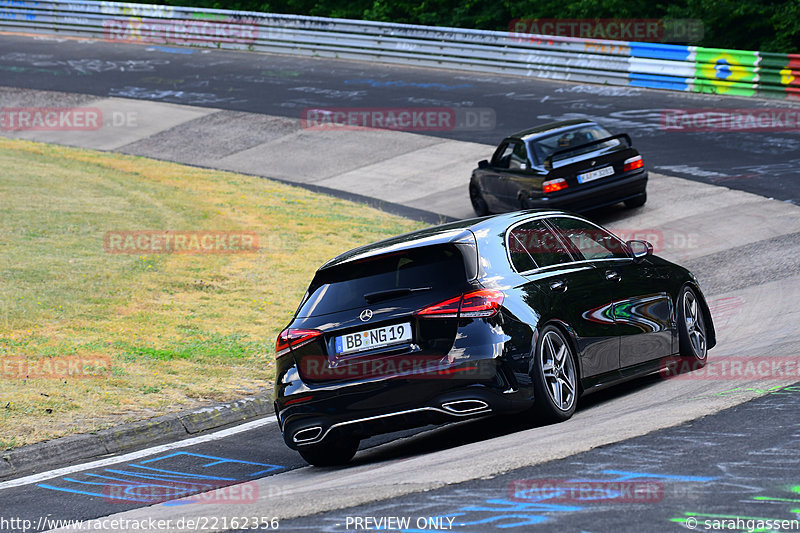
(683, 68)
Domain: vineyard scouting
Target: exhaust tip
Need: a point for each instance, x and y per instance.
(307, 434)
(461, 407)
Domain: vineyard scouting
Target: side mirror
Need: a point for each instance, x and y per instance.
(483, 164)
(639, 249)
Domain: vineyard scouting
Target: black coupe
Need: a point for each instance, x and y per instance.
(521, 312)
(574, 164)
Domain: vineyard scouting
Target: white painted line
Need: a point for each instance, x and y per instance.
(36, 478)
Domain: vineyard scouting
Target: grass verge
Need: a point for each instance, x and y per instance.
(167, 330)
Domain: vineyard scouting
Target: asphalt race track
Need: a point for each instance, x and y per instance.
(711, 469)
(703, 448)
(763, 163)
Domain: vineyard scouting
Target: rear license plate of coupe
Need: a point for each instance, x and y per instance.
(595, 174)
(373, 338)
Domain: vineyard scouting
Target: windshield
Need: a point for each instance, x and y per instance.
(544, 147)
(418, 272)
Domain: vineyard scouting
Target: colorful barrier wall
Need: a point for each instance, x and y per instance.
(652, 65)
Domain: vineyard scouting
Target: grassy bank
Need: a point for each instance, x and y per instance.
(173, 329)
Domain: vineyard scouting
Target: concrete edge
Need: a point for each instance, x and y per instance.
(392, 208)
(413, 213)
(166, 428)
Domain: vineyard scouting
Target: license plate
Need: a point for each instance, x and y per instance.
(595, 174)
(373, 338)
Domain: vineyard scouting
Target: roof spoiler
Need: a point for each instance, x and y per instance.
(548, 162)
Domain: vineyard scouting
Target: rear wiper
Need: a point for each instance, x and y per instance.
(377, 296)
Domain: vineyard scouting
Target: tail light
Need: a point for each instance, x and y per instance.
(633, 163)
(294, 338)
(480, 303)
(554, 185)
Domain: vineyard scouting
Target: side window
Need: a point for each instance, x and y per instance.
(533, 245)
(519, 157)
(591, 241)
(502, 157)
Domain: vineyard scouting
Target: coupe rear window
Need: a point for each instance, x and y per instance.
(544, 147)
(424, 271)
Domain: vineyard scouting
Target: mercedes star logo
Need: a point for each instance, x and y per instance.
(365, 315)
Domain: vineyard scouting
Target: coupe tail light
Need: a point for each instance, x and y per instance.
(633, 163)
(294, 338)
(554, 185)
(480, 303)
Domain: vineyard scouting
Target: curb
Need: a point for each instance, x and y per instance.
(171, 427)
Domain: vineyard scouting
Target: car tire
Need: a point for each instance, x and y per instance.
(692, 332)
(555, 377)
(331, 452)
(478, 203)
(639, 201)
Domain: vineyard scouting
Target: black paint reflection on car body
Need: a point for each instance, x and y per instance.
(516, 313)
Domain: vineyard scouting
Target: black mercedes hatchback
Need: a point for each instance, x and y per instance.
(522, 312)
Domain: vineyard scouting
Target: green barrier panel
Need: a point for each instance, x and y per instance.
(779, 75)
(770, 68)
(723, 71)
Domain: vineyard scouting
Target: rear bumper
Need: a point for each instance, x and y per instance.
(365, 409)
(599, 195)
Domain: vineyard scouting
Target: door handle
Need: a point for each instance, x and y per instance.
(612, 275)
(558, 286)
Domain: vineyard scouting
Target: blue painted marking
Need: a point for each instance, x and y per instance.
(723, 69)
(508, 505)
(159, 477)
(195, 476)
(170, 50)
(526, 520)
(121, 482)
(217, 461)
(625, 475)
(125, 490)
(124, 482)
(193, 485)
(658, 81)
(74, 491)
(660, 51)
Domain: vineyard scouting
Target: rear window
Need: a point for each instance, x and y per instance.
(343, 287)
(546, 146)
